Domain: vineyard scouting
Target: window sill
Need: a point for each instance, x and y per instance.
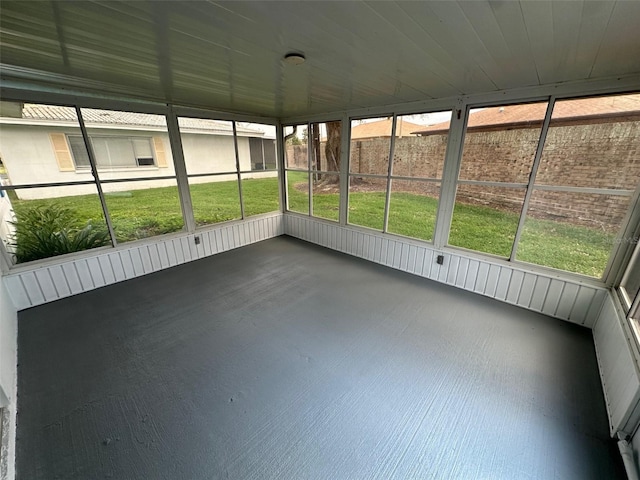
(119, 169)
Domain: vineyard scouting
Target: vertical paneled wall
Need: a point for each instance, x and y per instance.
(552, 295)
(8, 381)
(635, 445)
(29, 287)
(619, 370)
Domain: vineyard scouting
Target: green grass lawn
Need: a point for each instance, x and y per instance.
(142, 213)
(139, 214)
(483, 229)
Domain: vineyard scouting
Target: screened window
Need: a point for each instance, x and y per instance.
(113, 152)
(498, 153)
(222, 159)
(210, 159)
(629, 290)
(139, 205)
(369, 149)
(630, 284)
(416, 174)
(312, 160)
(563, 204)
(583, 187)
(259, 187)
(325, 142)
(63, 213)
(296, 161)
(394, 184)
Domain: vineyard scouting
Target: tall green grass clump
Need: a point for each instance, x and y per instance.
(45, 231)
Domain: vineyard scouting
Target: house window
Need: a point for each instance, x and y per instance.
(269, 149)
(263, 153)
(78, 151)
(113, 152)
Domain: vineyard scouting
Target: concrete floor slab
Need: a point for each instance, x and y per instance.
(284, 360)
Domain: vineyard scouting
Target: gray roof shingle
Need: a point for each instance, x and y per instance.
(95, 117)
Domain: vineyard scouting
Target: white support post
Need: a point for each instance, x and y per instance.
(309, 175)
(387, 198)
(344, 169)
(282, 174)
(94, 172)
(532, 177)
(453, 159)
(180, 167)
(235, 146)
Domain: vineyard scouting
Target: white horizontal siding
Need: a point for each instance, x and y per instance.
(557, 297)
(55, 280)
(618, 368)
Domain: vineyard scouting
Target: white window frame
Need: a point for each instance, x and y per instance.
(130, 138)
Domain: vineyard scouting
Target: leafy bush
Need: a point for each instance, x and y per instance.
(48, 230)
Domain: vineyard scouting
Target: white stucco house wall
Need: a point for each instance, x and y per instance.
(41, 144)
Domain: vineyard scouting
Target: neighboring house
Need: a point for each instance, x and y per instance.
(7, 218)
(592, 143)
(43, 144)
(297, 154)
(531, 115)
(382, 128)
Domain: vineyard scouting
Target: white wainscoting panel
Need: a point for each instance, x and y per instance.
(53, 280)
(8, 380)
(555, 296)
(619, 369)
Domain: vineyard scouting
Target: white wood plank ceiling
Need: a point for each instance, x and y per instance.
(228, 55)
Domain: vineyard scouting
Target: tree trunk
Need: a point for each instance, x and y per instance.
(316, 161)
(284, 143)
(332, 148)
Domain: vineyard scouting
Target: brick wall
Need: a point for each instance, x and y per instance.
(296, 156)
(595, 155)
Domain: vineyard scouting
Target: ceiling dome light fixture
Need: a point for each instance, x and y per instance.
(293, 58)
